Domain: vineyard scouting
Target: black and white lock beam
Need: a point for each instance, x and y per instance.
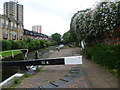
(73, 60)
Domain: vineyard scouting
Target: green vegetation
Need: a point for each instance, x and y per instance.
(25, 44)
(56, 37)
(93, 25)
(38, 69)
(9, 53)
(6, 45)
(51, 81)
(67, 38)
(17, 81)
(105, 55)
(26, 75)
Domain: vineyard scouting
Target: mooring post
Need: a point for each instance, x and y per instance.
(36, 55)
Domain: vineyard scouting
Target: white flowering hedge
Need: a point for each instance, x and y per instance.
(91, 24)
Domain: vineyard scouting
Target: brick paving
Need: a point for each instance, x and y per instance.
(49, 73)
(90, 76)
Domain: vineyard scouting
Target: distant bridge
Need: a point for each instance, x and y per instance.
(72, 60)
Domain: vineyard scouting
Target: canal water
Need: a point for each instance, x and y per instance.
(10, 70)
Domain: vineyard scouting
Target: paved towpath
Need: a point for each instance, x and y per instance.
(49, 73)
(91, 75)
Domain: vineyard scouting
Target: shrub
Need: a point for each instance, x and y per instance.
(87, 52)
(6, 45)
(14, 44)
(29, 44)
(21, 44)
(26, 75)
(17, 81)
(105, 55)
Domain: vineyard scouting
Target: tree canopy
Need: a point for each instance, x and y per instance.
(67, 38)
(90, 25)
(56, 37)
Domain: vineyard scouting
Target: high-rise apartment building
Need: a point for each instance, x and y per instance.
(37, 28)
(15, 10)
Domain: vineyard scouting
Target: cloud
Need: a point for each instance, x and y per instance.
(53, 15)
(50, 22)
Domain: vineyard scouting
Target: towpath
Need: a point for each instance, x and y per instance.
(91, 75)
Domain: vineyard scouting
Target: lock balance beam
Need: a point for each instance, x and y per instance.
(72, 60)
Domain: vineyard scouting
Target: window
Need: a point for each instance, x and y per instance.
(21, 27)
(18, 26)
(11, 34)
(15, 27)
(2, 23)
(6, 24)
(5, 35)
(14, 35)
(11, 25)
(21, 36)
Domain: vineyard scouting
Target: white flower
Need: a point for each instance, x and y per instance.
(110, 9)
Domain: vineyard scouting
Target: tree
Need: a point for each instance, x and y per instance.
(93, 25)
(67, 38)
(56, 37)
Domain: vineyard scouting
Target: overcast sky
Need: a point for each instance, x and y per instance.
(53, 15)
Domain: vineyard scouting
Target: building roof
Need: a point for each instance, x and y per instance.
(31, 33)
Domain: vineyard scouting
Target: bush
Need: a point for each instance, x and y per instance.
(26, 75)
(29, 44)
(108, 56)
(6, 45)
(87, 52)
(21, 44)
(14, 44)
(105, 55)
(17, 81)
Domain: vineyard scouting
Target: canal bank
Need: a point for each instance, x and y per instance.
(43, 53)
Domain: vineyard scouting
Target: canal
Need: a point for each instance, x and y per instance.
(8, 71)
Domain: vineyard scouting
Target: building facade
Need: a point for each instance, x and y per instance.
(15, 10)
(10, 29)
(37, 28)
(34, 35)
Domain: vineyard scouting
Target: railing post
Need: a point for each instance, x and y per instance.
(0, 56)
(26, 54)
(12, 54)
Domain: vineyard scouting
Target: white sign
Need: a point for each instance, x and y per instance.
(73, 60)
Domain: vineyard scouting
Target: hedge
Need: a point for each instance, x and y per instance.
(105, 55)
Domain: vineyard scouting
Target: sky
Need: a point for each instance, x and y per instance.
(53, 15)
